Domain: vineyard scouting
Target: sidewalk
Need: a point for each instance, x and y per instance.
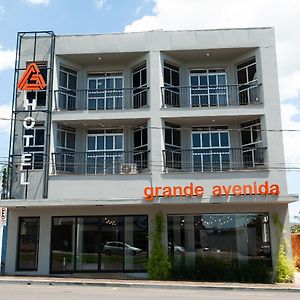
(295, 287)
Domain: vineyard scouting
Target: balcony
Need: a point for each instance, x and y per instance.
(211, 95)
(100, 162)
(214, 160)
(101, 100)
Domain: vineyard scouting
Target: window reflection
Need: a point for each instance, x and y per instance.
(231, 238)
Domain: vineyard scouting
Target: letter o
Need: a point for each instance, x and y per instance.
(32, 123)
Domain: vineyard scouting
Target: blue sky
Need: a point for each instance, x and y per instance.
(103, 16)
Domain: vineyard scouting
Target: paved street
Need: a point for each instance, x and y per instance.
(65, 292)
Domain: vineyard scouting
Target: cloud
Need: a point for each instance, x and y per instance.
(2, 9)
(99, 3)
(208, 14)
(37, 2)
(5, 113)
(291, 139)
(7, 59)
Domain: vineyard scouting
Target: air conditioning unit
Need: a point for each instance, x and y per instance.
(128, 168)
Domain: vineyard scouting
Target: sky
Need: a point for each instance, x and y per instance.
(106, 16)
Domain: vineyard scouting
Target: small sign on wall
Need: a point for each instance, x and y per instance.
(3, 216)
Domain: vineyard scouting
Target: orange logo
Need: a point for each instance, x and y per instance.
(32, 79)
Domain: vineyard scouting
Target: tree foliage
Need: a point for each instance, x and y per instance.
(159, 265)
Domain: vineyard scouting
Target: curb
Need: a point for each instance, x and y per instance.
(190, 286)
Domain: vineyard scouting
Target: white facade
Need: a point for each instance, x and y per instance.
(225, 130)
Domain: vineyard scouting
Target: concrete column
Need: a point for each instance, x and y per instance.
(156, 137)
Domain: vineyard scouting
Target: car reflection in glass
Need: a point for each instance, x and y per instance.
(177, 249)
(117, 248)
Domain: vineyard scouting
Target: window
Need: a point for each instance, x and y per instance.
(139, 83)
(36, 146)
(208, 88)
(210, 149)
(106, 243)
(219, 240)
(67, 88)
(171, 85)
(63, 244)
(41, 95)
(252, 150)
(247, 80)
(105, 151)
(28, 244)
(172, 146)
(105, 91)
(140, 140)
(65, 157)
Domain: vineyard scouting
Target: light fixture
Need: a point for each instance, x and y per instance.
(207, 54)
(99, 57)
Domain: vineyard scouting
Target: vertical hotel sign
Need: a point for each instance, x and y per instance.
(31, 80)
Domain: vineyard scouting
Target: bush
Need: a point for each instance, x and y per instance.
(285, 268)
(159, 265)
(213, 269)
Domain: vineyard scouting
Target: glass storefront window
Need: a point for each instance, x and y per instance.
(28, 244)
(112, 243)
(136, 243)
(234, 239)
(87, 237)
(63, 244)
(106, 243)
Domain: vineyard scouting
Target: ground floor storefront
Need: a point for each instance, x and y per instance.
(99, 239)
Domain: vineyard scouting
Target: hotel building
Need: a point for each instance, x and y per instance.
(110, 129)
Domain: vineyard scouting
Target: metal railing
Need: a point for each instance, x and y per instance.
(211, 95)
(105, 99)
(211, 160)
(100, 162)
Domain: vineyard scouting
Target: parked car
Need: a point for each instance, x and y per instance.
(117, 248)
(177, 249)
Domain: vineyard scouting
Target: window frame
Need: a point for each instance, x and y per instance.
(37, 246)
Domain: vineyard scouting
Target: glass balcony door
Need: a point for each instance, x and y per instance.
(210, 151)
(208, 88)
(105, 92)
(104, 152)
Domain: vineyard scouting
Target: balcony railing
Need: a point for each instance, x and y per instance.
(213, 160)
(100, 162)
(211, 95)
(105, 99)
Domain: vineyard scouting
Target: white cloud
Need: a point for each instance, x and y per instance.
(5, 113)
(7, 59)
(291, 139)
(37, 2)
(2, 9)
(99, 3)
(207, 14)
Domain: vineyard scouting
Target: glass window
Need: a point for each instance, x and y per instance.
(224, 242)
(118, 142)
(91, 142)
(136, 245)
(63, 244)
(87, 243)
(28, 243)
(208, 88)
(139, 83)
(108, 92)
(106, 243)
(36, 146)
(112, 243)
